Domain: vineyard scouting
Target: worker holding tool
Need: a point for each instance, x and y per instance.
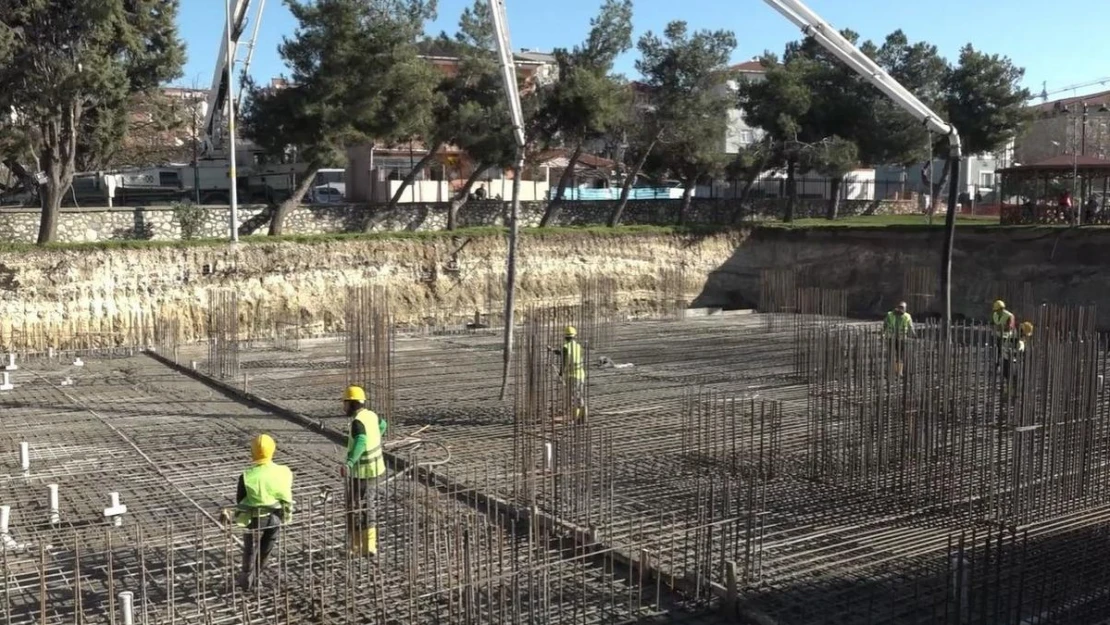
(265, 502)
(364, 464)
(897, 326)
(572, 373)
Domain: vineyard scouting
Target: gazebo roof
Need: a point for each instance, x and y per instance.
(1062, 164)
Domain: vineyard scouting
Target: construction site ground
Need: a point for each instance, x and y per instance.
(172, 447)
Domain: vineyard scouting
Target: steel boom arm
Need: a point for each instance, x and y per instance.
(219, 93)
(823, 33)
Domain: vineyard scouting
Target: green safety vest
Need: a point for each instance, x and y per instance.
(898, 325)
(269, 488)
(1002, 320)
(371, 463)
(573, 367)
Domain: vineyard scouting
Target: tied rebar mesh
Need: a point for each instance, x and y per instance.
(547, 403)
(287, 330)
(370, 344)
(223, 333)
(731, 451)
(817, 311)
(671, 293)
(919, 289)
(778, 295)
(598, 311)
(973, 426)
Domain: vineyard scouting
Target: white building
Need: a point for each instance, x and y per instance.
(739, 134)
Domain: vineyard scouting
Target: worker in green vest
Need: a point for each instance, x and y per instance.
(265, 502)
(573, 373)
(364, 464)
(897, 326)
(1004, 324)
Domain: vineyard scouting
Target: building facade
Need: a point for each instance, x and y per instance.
(739, 134)
(1078, 125)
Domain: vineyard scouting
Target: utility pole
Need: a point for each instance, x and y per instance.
(512, 95)
(232, 177)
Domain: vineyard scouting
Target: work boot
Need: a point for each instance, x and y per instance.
(245, 580)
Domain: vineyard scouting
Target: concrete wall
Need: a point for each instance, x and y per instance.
(1063, 266)
(158, 222)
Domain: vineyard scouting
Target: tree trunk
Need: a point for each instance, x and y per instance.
(834, 199)
(411, 176)
(277, 217)
(462, 196)
(749, 182)
(626, 188)
(687, 195)
(58, 159)
(552, 210)
(791, 190)
(50, 195)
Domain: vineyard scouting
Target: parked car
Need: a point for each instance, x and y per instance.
(331, 193)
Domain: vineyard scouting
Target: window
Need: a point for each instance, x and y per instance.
(168, 179)
(746, 137)
(986, 179)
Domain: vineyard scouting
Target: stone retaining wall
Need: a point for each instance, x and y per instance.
(159, 222)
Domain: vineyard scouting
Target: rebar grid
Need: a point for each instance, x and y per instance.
(598, 310)
(1010, 442)
(441, 560)
(370, 336)
(672, 292)
(223, 334)
(919, 288)
(817, 311)
(548, 400)
(819, 545)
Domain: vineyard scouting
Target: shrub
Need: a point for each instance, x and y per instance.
(190, 218)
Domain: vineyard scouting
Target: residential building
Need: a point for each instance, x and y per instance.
(739, 133)
(372, 169)
(1061, 127)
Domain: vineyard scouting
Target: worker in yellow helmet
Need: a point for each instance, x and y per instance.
(1003, 323)
(573, 373)
(364, 464)
(897, 326)
(265, 501)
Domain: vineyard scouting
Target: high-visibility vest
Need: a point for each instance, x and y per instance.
(269, 488)
(573, 367)
(1003, 321)
(898, 325)
(371, 463)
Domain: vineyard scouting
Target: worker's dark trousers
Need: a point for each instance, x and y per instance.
(575, 393)
(264, 530)
(360, 504)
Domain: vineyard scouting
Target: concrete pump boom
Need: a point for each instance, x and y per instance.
(219, 94)
(812, 25)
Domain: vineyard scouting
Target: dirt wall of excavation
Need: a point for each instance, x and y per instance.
(103, 293)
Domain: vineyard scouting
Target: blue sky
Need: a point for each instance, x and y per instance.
(1062, 42)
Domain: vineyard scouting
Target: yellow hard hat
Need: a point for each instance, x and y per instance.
(998, 304)
(1027, 328)
(262, 448)
(354, 393)
(571, 331)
